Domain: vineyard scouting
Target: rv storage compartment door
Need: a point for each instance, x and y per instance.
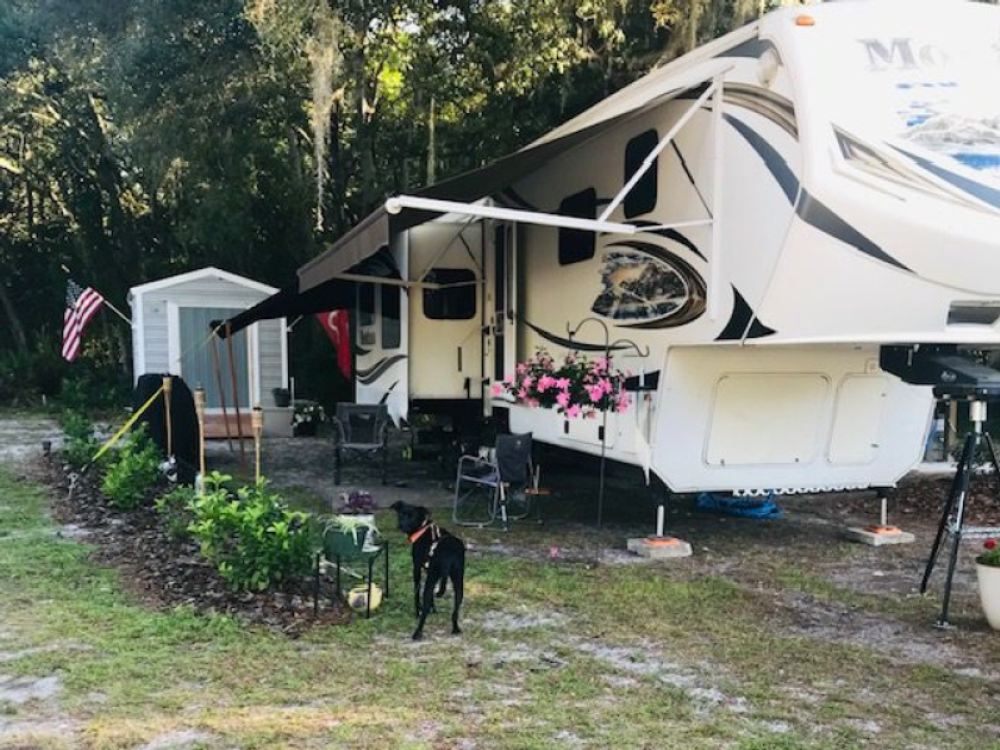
(856, 421)
(766, 418)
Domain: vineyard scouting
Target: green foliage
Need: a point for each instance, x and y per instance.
(991, 556)
(176, 508)
(80, 445)
(253, 539)
(134, 471)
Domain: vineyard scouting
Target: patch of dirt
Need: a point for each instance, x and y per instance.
(165, 573)
(520, 621)
(20, 690)
(9, 656)
(830, 622)
(22, 438)
(649, 664)
(182, 740)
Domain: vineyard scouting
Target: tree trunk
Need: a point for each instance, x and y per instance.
(432, 155)
(16, 327)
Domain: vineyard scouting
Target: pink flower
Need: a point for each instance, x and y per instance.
(595, 392)
(497, 389)
(509, 379)
(563, 399)
(573, 412)
(605, 385)
(545, 382)
(528, 381)
(563, 383)
(602, 365)
(522, 394)
(522, 368)
(622, 407)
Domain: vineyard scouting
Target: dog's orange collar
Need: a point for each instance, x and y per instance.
(418, 533)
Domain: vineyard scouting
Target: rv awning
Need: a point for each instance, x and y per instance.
(377, 229)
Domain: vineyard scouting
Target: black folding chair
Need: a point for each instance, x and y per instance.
(361, 431)
(500, 483)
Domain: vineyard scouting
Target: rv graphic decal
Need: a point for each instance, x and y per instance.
(817, 214)
(984, 192)
(646, 286)
(888, 166)
(774, 161)
(902, 55)
(974, 142)
(373, 373)
(743, 322)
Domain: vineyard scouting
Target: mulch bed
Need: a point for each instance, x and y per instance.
(926, 496)
(922, 498)
(164, 573)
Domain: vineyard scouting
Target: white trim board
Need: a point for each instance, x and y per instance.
(202, 273)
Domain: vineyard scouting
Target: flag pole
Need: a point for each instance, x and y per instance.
(107, 302)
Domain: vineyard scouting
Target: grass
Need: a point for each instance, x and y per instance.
(555, 655)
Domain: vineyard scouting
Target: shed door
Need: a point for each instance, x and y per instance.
(196, 356)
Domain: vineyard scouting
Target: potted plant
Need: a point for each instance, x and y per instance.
(282, 397)
(988, 573)
(306, 417)
(356, 518)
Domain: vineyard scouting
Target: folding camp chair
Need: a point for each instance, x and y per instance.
(501, 483)
(361, 431)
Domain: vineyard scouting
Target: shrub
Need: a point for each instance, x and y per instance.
(80, 444)
(253, 539)
(176, 509)
(134, 471)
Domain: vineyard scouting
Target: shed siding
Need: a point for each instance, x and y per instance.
(270, 359)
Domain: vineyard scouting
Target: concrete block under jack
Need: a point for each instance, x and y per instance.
(877, 536)
(659, 548)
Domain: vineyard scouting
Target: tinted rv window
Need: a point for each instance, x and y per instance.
(366, 314)
(454, 303)
(577, 245)
(390, 317)
(642, 197)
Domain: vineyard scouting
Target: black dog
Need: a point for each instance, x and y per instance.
(441, 554)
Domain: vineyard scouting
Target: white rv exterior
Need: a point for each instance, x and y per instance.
(845, 196)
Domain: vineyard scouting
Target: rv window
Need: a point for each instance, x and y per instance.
(576, 245)
(390, 317)
(641, 199)
(366, 314)
(454, 303)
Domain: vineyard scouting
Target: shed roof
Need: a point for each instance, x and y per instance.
(201, 273)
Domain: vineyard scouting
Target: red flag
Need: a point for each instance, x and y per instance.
(81, 305)
(336, 327)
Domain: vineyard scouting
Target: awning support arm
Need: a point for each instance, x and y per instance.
(664, 142)
(397, 204)
(715, 262)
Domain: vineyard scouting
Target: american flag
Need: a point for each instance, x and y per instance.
(81, 306)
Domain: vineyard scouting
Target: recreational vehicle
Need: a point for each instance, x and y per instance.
(756, 224)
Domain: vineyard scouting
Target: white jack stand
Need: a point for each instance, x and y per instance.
(882, 533)
(659, 547)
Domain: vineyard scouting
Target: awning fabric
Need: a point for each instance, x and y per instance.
(333, 294)
(318, 289)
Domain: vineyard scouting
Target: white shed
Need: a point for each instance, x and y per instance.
(170, 334)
